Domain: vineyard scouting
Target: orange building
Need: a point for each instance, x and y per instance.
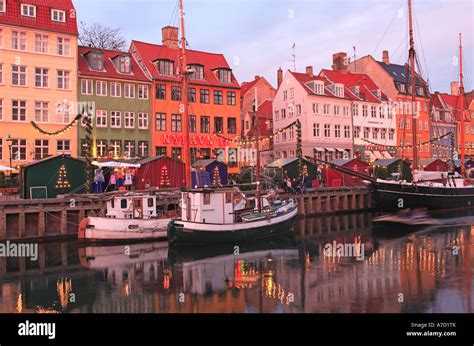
(213, 100)
(395, 81)
(38, 79)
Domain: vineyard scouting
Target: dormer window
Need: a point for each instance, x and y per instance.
(165, 67)
(377, 93)
(224, 75)
(96, 61)
(196, 71)
(58, 16)
(420, 91)
(401, 88)
(122, 64)
(319, 88)
(339, 90)
(3, 6)
(356, 90)
(28, 10)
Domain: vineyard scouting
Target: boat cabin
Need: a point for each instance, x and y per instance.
(132, 207)
(208, 206)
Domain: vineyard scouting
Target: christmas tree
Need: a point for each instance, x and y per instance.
(62, 182)
(164, 179)
(216, 177)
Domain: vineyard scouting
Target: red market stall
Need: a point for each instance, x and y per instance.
(434, 165)
(160, 172)
(334, 178)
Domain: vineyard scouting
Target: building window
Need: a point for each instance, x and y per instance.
(197, 71)
(58, 16)
(143, 148)
(62, 112)
(327, 130)
(115, 89)
(28, 10)
(382, 112)
(161, 91)
(41, 77)
(3, 6)
(101, 118)
(1, 73)
(285, 95)
(391, 134)
(122, 63)
(315, 108)
(41, 148)
(63, 146)
(283, 113)
(231, 126)
(373, 111)
(160, 121)
(18, 110)
(347, 131)
(224, 75)
(18, 149)
(143, 92)
(218, 125)
(192, 123)
(64, 80)
(277, 115)
(41, 43)
(326, 109)
(129, 147)
(129, 91)
(129, 120)
(1, 111)
(18, 75)
(176, 93)
(19, 40)
(176, 122)
(116, 147)
(191, 95)
(366, 132)
(165, 67)
(298, 110)
(357, 131)
(86, 87)
(176, 153)
(64, 49)
(375, 133)
(101, 88)
(115, 119)
(205, 124)
(345, 110)
(316, 132)
(161, 151)
(217, 97)
(337, 131)
(383, 133)
(231, 98)
(143, 121)
(41, 112)
(336, 110)
(101, 147)
(204, 96)
(364, 111)
(355, 109)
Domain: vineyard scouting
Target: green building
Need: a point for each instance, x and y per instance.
(116, 93)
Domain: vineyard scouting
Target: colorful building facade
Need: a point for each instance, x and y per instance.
(395, 81)
(213, 100)
(115, 91)
(38, 79)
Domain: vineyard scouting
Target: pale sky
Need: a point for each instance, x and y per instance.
(257, 36)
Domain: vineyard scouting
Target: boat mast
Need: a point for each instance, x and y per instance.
(257, 134)
(184, 97)
(461, 106)
(413, 90)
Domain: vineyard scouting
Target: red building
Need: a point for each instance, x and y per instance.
(160, 172)
(434, 165)
(334, 178)
(213, 99)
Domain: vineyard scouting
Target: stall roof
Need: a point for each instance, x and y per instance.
(282, 162)
(117, 164)
(341, 162)
(203, 163)
(385, 162)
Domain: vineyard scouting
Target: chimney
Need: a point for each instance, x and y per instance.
(340, 61)
(386, 57)
(170, 37)
(455, 88)
(309, 71)
(279, 76)
(257, 77)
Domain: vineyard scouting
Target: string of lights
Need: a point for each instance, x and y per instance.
(410, 145)
(59, 132)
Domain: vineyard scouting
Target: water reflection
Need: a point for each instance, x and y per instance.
(427, 271)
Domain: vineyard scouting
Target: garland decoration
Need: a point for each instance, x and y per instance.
(59, 132)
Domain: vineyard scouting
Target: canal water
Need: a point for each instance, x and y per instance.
(430, 270)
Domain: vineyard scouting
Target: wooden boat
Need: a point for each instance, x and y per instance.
(213, 216)
(132, 217)
(408, 218)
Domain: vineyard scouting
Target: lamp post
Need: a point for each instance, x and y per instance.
(9, 140)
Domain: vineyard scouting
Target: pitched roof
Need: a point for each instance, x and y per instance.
(385, 162)
(203, 163)
(109, 68)
(282, 162)
(265, 113)
(366, 85)
(341, 162)
(451, 102)
(401, 73)
(42, 21)
(211, 61)
(246, 86)
(303, 78)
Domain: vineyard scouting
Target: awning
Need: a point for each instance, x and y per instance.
(341, 150)
(115, 164)
(319, 149)
(332, 150)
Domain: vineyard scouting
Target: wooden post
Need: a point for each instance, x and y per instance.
(42, 258)
(328, 203)
(302, 206)
(41, 223)
(318, 204)
(353, 201)
(21, 224)
(345, 202)
(63, 226)
(3, 224)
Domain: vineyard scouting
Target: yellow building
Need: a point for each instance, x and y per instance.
(38, 79)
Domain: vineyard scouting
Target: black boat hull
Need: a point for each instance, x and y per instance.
(391, 197)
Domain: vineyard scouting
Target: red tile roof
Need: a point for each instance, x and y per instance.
(211, 61)
(452, 103)
(43, 15)
(364, 82)
(303, 78)
(109, 68)
(265, 114)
